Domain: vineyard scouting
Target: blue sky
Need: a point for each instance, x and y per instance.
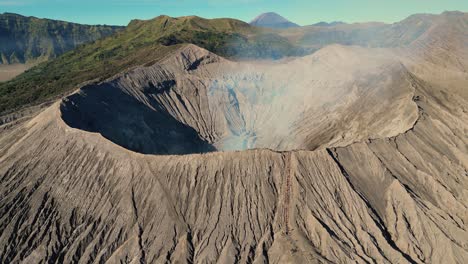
(304, 12)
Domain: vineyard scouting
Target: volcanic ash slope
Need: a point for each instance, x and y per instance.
(346, 156)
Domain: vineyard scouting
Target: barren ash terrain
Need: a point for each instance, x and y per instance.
(346, 150)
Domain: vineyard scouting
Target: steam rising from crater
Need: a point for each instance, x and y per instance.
(195, 101)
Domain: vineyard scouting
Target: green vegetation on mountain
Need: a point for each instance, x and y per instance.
(227, 37)
(140, 43)
(29, 39)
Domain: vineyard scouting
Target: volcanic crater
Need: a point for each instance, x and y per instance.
(195, 102)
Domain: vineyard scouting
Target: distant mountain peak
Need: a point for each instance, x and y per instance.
(272, 20)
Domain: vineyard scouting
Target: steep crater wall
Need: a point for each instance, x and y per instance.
(195, 102)
(129, 123)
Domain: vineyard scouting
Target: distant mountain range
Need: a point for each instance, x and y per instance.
(272, 20)
(276, 21)
(29, 39)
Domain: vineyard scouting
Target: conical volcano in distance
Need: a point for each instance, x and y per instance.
(272, 20)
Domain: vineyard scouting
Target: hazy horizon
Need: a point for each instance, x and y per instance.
(302, 12)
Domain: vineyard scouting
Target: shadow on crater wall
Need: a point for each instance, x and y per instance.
(129, 123)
